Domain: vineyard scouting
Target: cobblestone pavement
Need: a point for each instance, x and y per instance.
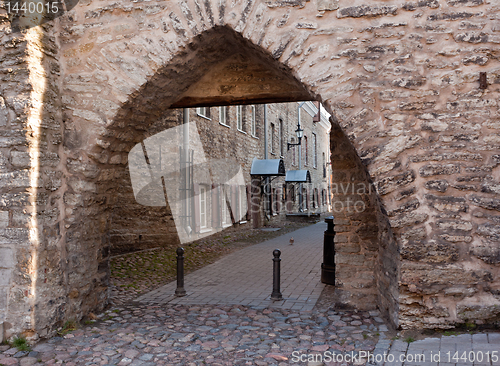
(237, 335)
(200, 335)
(154, 331)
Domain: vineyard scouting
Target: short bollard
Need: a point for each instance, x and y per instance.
(179, 291)
(276, 295)
(328, 265)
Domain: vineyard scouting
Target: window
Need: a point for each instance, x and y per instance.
(306, 158)
(203, 111)
(254, 122)
(315, 153)
(273, 133)
(239, 117)
(222, 116)
(281, 140)
(203, 207)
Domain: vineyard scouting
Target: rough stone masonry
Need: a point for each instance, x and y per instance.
(401, 78)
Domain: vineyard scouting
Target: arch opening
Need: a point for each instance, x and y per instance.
(100, 209)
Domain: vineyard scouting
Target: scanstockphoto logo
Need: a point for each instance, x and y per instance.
(204, 195)
(24, 14)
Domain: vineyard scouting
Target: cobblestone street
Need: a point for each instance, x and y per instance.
(161, 330)
(198, 335)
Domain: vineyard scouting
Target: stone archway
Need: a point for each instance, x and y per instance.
(411, 105)
(219, 52)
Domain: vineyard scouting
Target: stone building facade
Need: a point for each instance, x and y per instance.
(223, 137)
(413, 88)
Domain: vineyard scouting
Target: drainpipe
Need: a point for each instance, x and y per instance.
(185, 121)
(301, 203)
(265, 131)
(185, 157)
(266, 181)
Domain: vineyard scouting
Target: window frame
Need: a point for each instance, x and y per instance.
(223, 120)
(273, 133)
(306, 157)
(239, 118)
(281, 138)
(203, 207)
(315, 150)
(253, 126)
(203, 112)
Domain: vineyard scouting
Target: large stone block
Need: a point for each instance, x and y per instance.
(431, 278)
(439, 169)
(7, 258)
(447, 203)
(366, 11)
(430, 252)
(437, 185)
(476, 313)
(409, 219)
(489, 252)
(488, 203)
(5, 275)
(390, 184)
(327, 5)
(4, 219)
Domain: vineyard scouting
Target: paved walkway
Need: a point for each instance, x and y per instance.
(245, 277)
(480, 349)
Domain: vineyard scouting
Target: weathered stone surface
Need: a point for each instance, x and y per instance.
(441, 169)
(490, 187)
(404, 90)
(409, 206)
(474, 312)
(447, 203)
(460, 292)
(470, 37)
(487, 251)
(488, 203)
(437, 185)
(412, 218)
(425, 276)
(454, 225)
(366, 11)
(465, 2)
(491, 231)
(411, 6)
(390, 184)
(327, 5)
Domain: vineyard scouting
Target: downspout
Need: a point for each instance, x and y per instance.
(185, 157)
(267, 189)
(301, 203)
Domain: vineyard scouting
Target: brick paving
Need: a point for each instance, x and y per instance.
(245, 277)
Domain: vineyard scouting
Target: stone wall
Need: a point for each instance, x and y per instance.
(401, 79)
(14, 100)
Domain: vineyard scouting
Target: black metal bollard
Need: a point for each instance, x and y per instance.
(328, 265)
(179, 291)
(276, 295)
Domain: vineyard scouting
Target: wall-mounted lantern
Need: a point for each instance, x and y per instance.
(300, 133)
